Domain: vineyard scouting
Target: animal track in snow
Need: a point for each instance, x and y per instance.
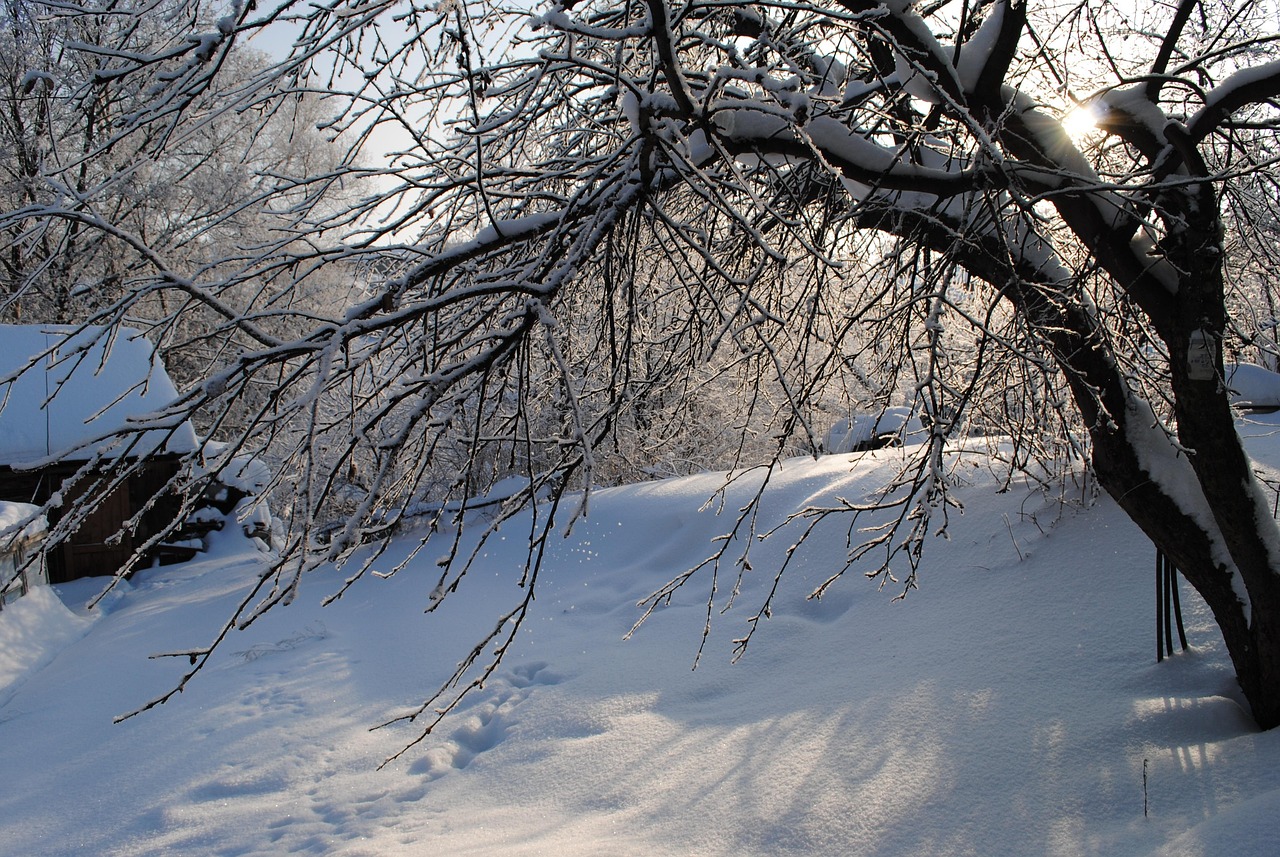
(528, 675)
(312, 632)
(485, 723)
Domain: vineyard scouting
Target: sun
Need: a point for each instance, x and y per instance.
(1081, 122)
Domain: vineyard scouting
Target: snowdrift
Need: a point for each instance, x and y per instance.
(1012, 705)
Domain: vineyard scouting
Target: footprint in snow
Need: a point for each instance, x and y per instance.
(485, 723)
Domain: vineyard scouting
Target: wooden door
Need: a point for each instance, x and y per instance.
(86, 553)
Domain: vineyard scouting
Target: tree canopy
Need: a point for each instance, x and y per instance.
(583, 233)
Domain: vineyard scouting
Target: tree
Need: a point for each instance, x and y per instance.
(76, 169)
(587, 206)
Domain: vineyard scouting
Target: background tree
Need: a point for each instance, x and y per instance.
(588, 209)
(211, 185)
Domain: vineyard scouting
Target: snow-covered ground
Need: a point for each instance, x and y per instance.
(1011, 706)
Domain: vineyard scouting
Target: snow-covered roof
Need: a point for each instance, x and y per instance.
(94, 384)
(14, 514)
(859, 431)
(1252, 386)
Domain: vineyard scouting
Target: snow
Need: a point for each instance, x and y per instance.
(517, 227)
(1228, 94)
(833, 136)
(1137, 106)
(35, 77)
(1252, 386)
(978, 49)
(1012, 705)
(918, 82)
(13, 514)
(751, 120)
(859, 431)
(33, 630)
(245, 473)
(868, 158)
(92, 388)
(1159, 455)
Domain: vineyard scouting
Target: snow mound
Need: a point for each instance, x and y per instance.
(1010, 706)
(861, 432)
(14, 514)
(33, 630)
(1247, 829)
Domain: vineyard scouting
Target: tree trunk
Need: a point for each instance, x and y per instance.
(1213, 523)
(1250, 633)
(1201, 506)
(1206, 429)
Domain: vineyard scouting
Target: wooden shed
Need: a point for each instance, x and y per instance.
(58, 414)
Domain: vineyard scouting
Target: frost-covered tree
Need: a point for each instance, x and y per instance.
(90, 195)
(591, 213)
